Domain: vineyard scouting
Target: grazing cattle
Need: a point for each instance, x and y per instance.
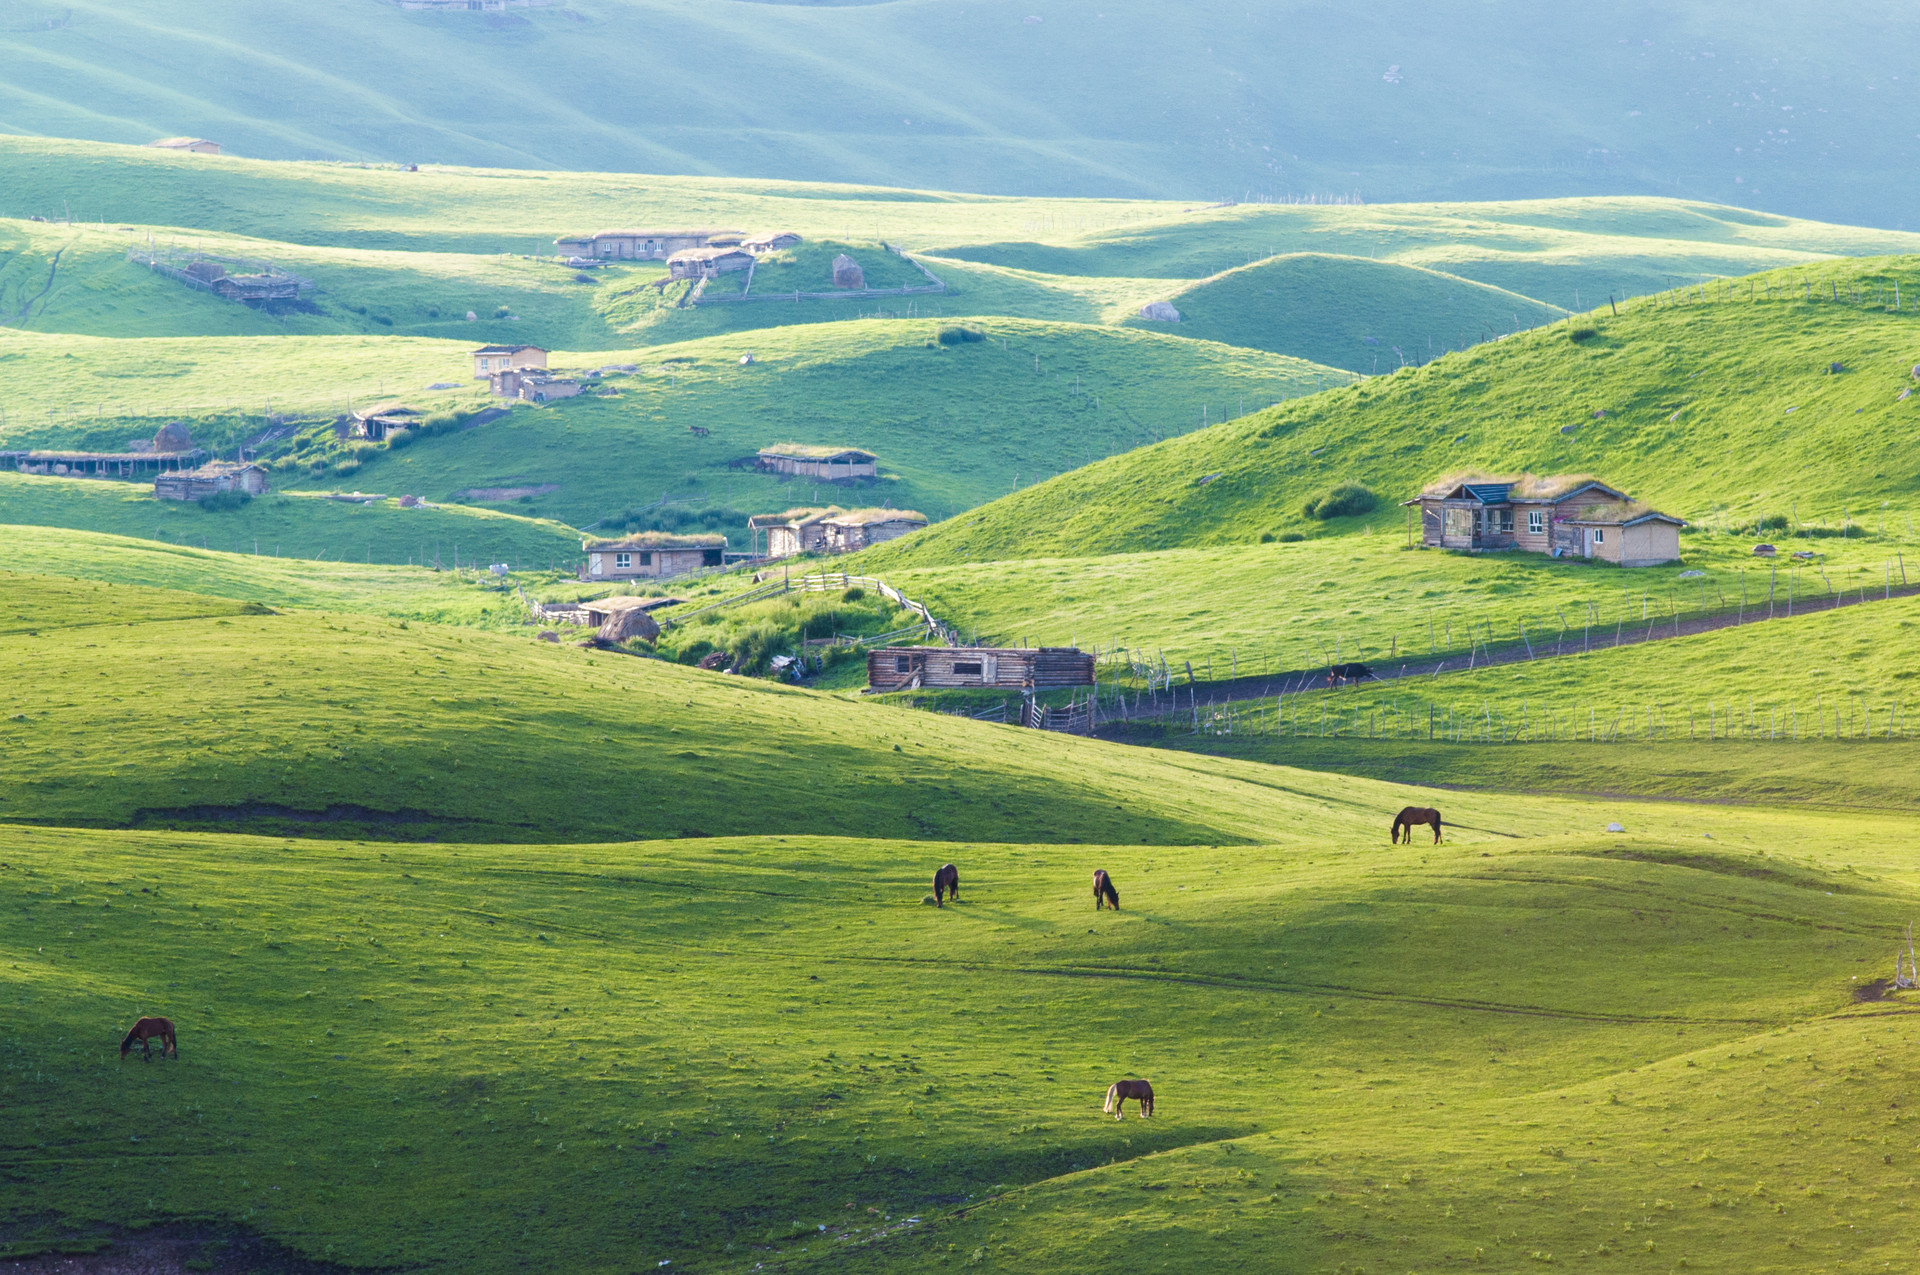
(1341, 674)
(1120, 1090)
(1412, 815)
(145, 1031)
(946, 885)
(1103, 891)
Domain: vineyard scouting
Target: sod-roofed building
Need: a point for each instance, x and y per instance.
(804, 460)
(211, 479)
(1562, 515)
(705, 263)
(833, 529)
(640, 245)
(912, 668)
(651, 554)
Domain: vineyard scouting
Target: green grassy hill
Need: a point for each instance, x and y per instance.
(1716, 404)
(1362, 315)
(1100, 98)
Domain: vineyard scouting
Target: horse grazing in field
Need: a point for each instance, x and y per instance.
(946, 885)
(1406, 820)
(145, 1031)
(1103, 891)
(1120, 1090)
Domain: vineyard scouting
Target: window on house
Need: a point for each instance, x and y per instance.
(646, 559)
(1599, 536)
(902, 664)
(1506, 520)
(1535, 519)
(622, 560)
(966, 670)
(711, 557)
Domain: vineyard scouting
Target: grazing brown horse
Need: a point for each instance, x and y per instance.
(1103, 891)
(1120, 1090)
(946, 885)
(145, 1031)
(1406, 820)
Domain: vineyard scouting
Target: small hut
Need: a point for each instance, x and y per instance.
(623, 619)
(211, 479)
(705, 263)
(651, 555)
(833, 464)
(908, 668)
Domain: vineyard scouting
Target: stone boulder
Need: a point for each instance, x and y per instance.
(1160, 312)
(847, 273)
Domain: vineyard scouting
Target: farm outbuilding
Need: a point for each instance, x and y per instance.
(1550, 515)
(769, 241)
(705, 263)
(833, 529)
(834, 464)
(907, 668)
(377, 422)
(639, 245)
(211, 479)
(489, 359)
(651, 555)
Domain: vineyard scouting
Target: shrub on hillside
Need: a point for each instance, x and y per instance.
(1345, 501)
(223, 501)
(1772, 522)
(958, 334)
(1292, 537)
(1583, 334)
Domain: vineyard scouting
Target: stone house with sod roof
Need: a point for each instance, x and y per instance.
(489, 359)
(833, 529)
(651, 555)
(833, 464)
(1561, 515)
(705, 263)
(211, 479)
(639, 245)
(382, 419)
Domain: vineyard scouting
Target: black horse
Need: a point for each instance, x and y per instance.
(946, 885)
(1103, 891)
(1341, 674)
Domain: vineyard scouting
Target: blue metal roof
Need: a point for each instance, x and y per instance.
(1489, 493)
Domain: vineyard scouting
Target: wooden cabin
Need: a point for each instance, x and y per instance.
(832, 464)
(375, 423)
(907, 668)
(1550, 515)
(211, 479)
(705, 263)
(639, 245)
(489, 359)
(833, 529)
(651, 555)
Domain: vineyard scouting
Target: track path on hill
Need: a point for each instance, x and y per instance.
(1198, 695)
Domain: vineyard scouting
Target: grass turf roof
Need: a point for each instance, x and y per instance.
(811, 451)
(657, 540)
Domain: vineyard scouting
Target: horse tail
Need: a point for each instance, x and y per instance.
(1113, 1093)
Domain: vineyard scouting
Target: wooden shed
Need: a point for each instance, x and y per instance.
(651, 555)
(705, 263)
(833, 529)
(377, 422)
(1627, 534)
(906, 668)
(834, 464)
(211, 479)
(769, 241)
(638, 245)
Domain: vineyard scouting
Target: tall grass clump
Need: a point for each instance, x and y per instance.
(1344, 501)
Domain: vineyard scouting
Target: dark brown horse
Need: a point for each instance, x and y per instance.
(1407, 819)
(1120, 1090)
(145, 1031)
(1103, 891)
(946, 885)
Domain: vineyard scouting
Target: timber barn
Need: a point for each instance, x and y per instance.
(833, 464)
(912, 668)
(211, 479)
(1562, 515)
(650, 555)
(640, 245)
(833, 529)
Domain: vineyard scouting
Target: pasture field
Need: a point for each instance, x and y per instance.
(1717, 404)
(1533, 1041)
(292, 525)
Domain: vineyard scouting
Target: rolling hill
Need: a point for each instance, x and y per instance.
(1777, 107)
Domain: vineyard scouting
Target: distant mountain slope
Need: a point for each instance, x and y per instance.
(1709, 403)
(1365, 316)
(1787, 107)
